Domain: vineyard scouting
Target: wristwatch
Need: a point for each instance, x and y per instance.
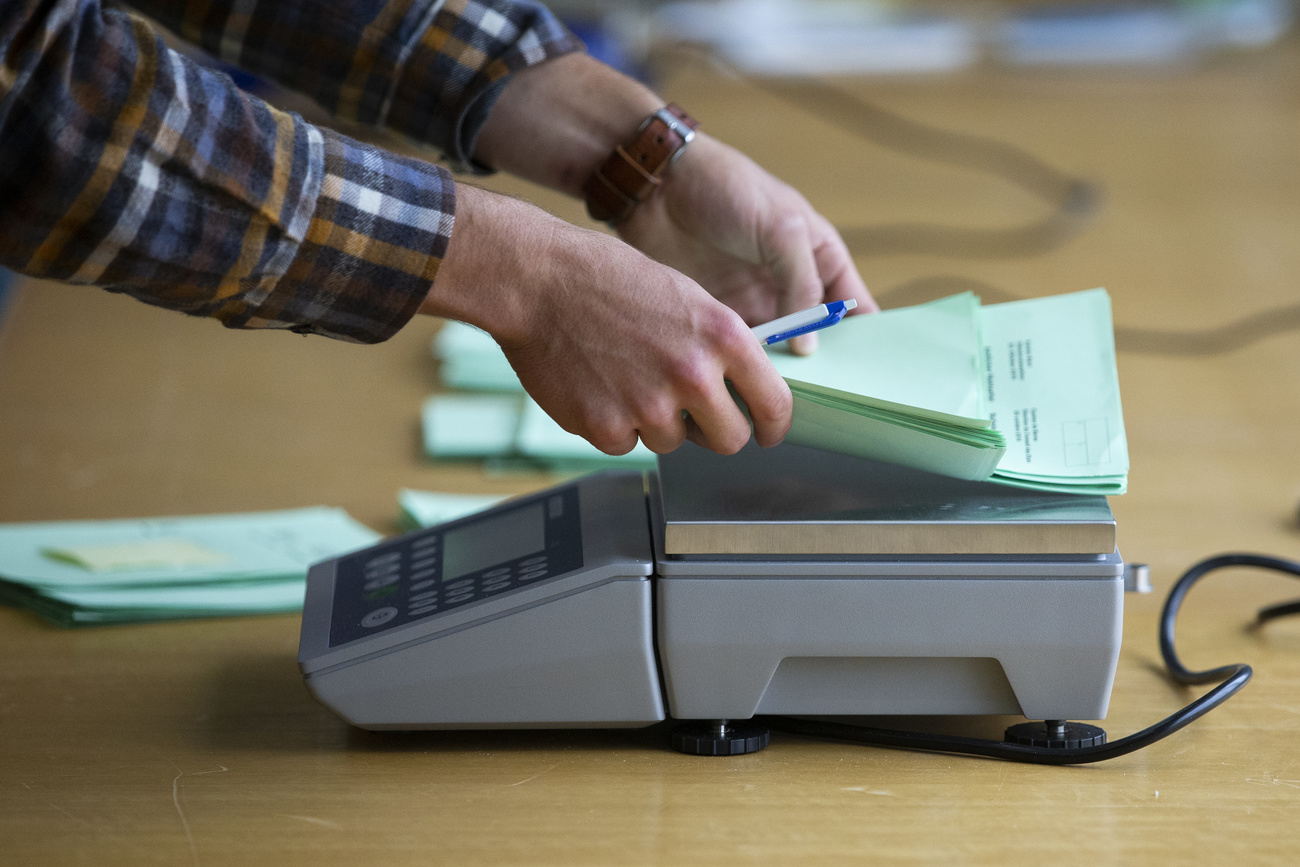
(633, 170)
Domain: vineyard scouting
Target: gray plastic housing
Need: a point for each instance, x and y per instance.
(799, 642)
(1014, 635)
(793, 581)
(573, 651)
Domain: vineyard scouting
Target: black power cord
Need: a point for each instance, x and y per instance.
(1230, 678)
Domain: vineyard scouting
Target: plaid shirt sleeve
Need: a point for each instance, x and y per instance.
(125, 165)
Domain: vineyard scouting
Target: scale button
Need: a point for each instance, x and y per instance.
(460, 585)
(456, 600)
(422, 610)
(495, 586)
(493, 573)
(532, 576)
(378, 617)
(381, 581)
(420, 585)
(532, 561)
(420, 597)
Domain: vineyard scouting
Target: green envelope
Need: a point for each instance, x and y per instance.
(1051, 384)
(139, 604)
(429, 508)
(471, 425)
(470, 359)
(513, 429)
(173, 567)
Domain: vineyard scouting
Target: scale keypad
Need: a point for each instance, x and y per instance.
(399, 581)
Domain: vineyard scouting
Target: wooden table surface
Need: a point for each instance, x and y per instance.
(196, 743)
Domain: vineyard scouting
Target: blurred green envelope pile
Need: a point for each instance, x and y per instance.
(1024, 393)
(119, 571)
(491, 418)
(418, 509)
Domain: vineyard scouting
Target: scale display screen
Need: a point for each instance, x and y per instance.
(493, 541)
(442, 569)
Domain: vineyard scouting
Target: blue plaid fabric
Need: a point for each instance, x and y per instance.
(125, 165)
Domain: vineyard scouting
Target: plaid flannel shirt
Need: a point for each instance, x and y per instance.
(126, 165)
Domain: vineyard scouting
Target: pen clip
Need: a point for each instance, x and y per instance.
(836, 312)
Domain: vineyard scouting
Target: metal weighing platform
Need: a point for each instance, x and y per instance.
(785, 581)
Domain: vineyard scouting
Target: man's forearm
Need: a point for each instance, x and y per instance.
(124, 164)
(495, 264)
(556, 122)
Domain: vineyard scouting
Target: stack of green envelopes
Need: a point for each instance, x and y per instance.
(418, 509)
(118, 571)
(510, 431)
(470, 360)
(1024, 393)
(490, 418)
(897, 386)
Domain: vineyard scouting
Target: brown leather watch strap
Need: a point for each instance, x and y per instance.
(632, 171)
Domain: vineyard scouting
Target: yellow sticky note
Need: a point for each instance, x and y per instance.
(144, 554)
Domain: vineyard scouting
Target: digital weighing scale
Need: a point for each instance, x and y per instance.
(781, 581)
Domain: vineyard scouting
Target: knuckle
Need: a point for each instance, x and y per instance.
(695, 381)
(689, 375)
(773, 405)
(789, 228)
(659, 422)
(729, 439)
(662, 444)
(610, 437)
(731, 335)
(659, 414)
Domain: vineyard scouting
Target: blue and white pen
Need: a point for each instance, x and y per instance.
(812, 319)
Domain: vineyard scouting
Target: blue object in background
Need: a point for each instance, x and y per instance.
(1112, 32)
(245, 81)
(604, 44)
(6, 279)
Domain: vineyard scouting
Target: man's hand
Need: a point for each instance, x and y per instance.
(752, 241)
(613, 345)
